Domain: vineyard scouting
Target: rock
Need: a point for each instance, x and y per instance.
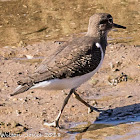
(129, 96)
(29, 56)
(119, 79)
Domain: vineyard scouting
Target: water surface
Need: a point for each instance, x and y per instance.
(36, 20)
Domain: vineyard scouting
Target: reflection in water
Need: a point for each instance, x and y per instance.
(120, 121)
(106, 132)
(88, 127)
(122, 131)
(22, 20)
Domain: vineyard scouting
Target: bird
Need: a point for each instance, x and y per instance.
(73, 63)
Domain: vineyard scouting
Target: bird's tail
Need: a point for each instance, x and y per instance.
(20, 89)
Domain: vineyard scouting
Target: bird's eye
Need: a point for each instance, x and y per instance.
(103, 21)
(110, 20)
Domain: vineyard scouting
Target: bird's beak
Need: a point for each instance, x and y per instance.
(118, 26)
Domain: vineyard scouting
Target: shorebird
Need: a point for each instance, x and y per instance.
(74, 63)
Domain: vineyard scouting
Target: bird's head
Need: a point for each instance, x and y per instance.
(100, 24)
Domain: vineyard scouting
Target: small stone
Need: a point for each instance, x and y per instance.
(29, 56)
(94, 103)
(3, 104)
(18, 112)
(20, 73)
(48, 35)
(36, 98)
(25, 100)
(129, 96)
(6, 84)
(117, 70)
(32, 91)
(15, 99)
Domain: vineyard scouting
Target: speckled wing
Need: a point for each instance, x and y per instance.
(74, 58)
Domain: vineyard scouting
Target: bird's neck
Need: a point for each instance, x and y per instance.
(96, 33)
(101, 37)
(103, 42)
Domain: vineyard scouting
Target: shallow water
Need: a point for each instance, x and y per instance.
(119, 123)
(117, 132)
(30, 21)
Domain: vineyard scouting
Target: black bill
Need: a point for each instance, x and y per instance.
(118, 26)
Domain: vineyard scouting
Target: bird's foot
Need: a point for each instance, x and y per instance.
(53, 124)
(91, 109)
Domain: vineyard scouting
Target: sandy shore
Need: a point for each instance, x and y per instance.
(115, 89)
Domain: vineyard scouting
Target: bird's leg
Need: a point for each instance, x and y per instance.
(56, 121)
(91, 108)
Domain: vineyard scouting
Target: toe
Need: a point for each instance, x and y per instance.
(53, 124)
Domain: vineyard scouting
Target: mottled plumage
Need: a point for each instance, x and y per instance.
(74, 60)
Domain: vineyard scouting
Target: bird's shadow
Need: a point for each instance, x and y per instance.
(110, 117)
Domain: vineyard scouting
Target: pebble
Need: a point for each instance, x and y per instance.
(15, 99)
(18, 112)
(20, 73)
(129, 96)
(29, 56)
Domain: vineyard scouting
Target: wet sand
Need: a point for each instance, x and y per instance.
(114, 88)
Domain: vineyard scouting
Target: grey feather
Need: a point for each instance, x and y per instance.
(20, 89)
